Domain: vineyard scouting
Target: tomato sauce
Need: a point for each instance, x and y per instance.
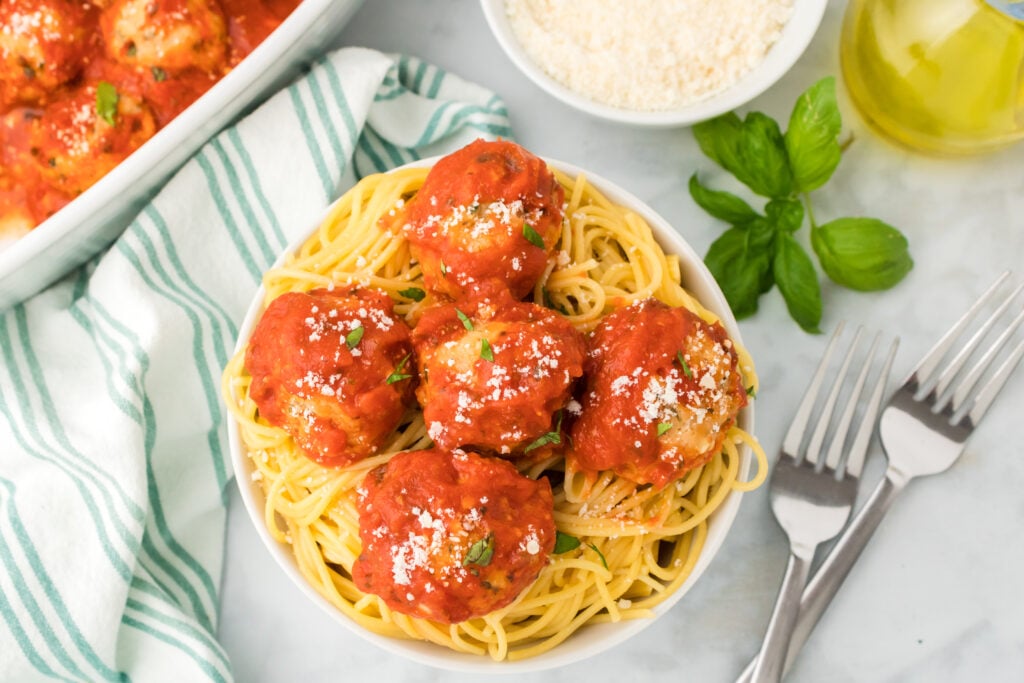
(487, 215)
(451, 536)
(60, 132)
(495, 373)
(333, 369)
(663, 388)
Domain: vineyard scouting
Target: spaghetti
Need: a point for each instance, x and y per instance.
(636, 544)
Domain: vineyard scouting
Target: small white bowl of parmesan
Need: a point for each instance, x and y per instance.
(657, 63)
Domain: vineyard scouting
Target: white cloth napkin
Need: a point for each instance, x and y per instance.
(113, 455)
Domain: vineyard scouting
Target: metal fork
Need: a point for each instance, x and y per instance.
(811, 498)
(923, 430)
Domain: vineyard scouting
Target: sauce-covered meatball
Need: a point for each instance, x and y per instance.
(487, 215)
(451, 536)
(494, 375)
(81, 137)
(42, 43)
(663, 388)
(169, 34)
(320, 364)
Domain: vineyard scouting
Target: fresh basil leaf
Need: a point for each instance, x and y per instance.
(740, 269)
(786, 215)
(532, 236)
(544, 440)
(480, 553)
(664, 427)
(599, 554)
(466, 322)
(553, 437)
(399, 374)
(719, 139)
(551, 303)
(682, 362)
(720, 204)
(798, 281)
(159, 75)
(485, 350)
(106, 102)
(565, 542)
(413, 293)
(862, 253)
(353, 338)
(762, 151)
(812, 139)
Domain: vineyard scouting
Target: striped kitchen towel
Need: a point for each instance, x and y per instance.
(113, 458)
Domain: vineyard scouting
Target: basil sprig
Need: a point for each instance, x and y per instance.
(761, 250)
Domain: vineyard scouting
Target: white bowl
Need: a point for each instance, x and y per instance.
(96, 217)
(796, 35)
(589, 640)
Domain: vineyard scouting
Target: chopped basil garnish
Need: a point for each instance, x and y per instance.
(565, 542)
(682, 361)
(398, 375)
(599, 554)
(352, 338)
(466, 322)
(550, 303)
(159, 75)
(485, 350)
(664, 427)
(444, 269)
(480, 553)
(413, 293)
(751, 392)
(106, 102)
(553, 437)
(532, 236)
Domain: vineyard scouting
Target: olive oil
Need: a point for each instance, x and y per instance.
(940, 76)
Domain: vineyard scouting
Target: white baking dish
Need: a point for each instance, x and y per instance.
(97, 216)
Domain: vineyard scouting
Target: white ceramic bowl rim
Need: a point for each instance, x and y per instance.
(796, 36)
(592, 639)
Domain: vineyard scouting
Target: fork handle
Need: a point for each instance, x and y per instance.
(770, 660)
(837, 564)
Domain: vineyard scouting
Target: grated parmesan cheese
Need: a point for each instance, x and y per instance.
(648, 55)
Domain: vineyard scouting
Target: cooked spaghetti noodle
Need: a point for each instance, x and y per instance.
(637, 545)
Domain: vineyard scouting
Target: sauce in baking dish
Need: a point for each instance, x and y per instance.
(83, 83)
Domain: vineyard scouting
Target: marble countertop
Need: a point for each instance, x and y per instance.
(937, 595)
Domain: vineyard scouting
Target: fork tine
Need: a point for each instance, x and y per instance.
(931, 360)
(835, 450)
(814, 446)
(965, 386)
(795, 434)
(995, 385)
(958, 361)
(859, 448)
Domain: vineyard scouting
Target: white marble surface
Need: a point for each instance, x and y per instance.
(938, 594)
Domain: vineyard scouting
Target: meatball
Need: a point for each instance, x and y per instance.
(489, 214)
(494, 375)
(42, 44)
(451, 536)
(170, 34)
(82, 136)
(663, 388)
(333, 369)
